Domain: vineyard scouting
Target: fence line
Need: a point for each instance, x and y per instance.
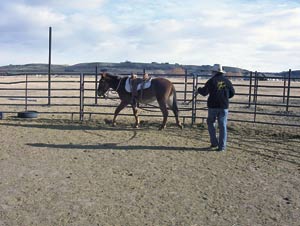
(256, 101)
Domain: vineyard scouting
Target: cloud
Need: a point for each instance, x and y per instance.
(23, 24)
(236, 33)
(64, 5)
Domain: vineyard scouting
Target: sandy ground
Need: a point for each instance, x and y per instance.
(54, 171)
(59, 172)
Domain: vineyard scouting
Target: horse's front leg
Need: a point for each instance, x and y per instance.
(121, 106)
(136, 116)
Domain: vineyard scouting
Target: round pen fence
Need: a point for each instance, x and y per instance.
(31, 92)
(267, 100)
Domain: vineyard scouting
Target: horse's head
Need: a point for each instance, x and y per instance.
(103, 85)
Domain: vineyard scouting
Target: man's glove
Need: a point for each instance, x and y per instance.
(195, 92)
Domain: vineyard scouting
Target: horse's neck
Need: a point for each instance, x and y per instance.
(116, 83)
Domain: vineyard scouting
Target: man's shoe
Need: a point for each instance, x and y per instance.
(221, 150)
(213, 147)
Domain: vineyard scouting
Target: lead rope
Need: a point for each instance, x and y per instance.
(119, 85)
(114, 91)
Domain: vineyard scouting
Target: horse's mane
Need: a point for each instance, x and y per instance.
(115, 76)
(110, 75)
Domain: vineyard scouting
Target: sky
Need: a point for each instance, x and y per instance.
(257, 35)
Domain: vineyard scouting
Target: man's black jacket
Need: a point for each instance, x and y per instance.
(220, 90)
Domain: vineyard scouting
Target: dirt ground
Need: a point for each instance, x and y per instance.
(63, 172)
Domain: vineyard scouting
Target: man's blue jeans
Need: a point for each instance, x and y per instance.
(221, 115)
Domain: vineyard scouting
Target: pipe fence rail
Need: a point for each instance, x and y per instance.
(265, 100)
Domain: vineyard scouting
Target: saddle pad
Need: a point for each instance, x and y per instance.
(147, 84)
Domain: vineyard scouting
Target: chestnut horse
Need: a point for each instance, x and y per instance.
(161, 90)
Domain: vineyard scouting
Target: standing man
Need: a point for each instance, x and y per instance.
(220, 90)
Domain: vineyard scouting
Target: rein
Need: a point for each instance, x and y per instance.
(187, 103)
(116, 90)
(119, 85)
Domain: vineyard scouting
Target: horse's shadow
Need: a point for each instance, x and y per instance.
(90, 128)
(71, 125)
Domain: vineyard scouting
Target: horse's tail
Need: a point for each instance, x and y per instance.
(175, 108)
(175, 104)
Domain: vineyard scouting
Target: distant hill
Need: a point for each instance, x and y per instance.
(128, 67)
(118, 68)
(31, 68)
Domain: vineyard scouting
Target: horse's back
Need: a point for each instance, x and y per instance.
(162, 87)
(162, 83)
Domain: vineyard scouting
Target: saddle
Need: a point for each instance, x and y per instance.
(141, 84)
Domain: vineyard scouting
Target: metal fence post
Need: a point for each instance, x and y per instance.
(255, 94)
(194, 101)
(288, 91)
(250, 90)
(49, 67)
(255, 87)
(96, 85)
(185, 84)
(81, 98)
(284, 88)
(26, 91)
(195, 88)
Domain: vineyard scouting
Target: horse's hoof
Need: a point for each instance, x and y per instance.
(113, 124)
(180, 126)
(107, 121)
(162, 127)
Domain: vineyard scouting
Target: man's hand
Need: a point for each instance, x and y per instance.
(196, 92)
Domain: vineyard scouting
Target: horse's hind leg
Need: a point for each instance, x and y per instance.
(176, 113)
(164, 110)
